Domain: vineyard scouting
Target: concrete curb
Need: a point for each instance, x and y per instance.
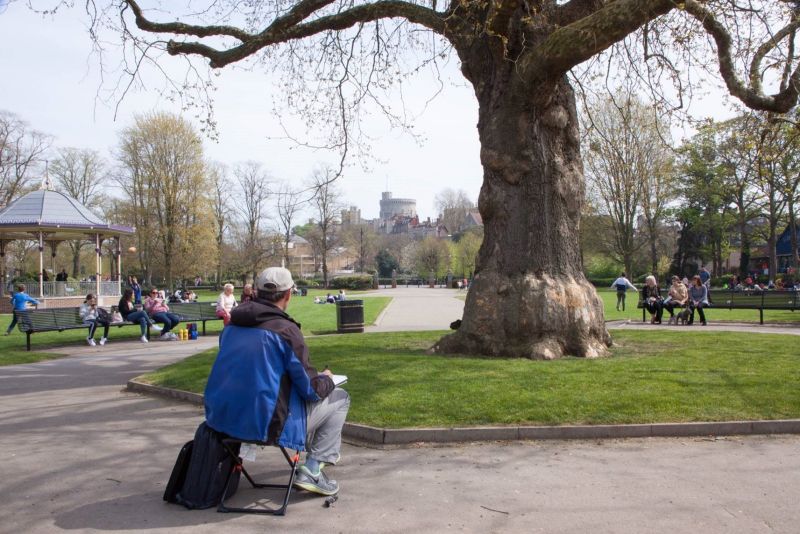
(371, 435)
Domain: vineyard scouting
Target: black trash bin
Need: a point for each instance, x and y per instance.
(349, 316)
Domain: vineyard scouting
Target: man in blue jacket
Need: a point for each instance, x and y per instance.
(262, 386)
(19, 302)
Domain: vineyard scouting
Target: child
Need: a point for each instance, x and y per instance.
(19, 302)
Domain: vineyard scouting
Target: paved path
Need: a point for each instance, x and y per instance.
(418, 309)
(79, 454)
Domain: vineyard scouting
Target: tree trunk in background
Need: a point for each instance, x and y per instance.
(529, 297)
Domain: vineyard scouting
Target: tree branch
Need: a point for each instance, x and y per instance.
(573, 44)
(575, 10)
(286, 28)
(752, 97)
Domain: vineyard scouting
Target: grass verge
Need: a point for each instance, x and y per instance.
(652, 376)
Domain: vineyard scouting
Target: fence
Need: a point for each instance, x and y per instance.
(67, 289)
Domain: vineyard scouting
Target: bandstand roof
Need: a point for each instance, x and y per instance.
(57, 215)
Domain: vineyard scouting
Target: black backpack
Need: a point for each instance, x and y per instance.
(203, 464)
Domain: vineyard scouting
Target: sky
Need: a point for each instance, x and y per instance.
(49, 79)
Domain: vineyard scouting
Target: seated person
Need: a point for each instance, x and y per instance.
(330, 299)
(159, 312)
(272, 394)
(91, 316)
(678, 298)
(225, 304)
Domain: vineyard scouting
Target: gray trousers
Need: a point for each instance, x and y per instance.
(325, 420)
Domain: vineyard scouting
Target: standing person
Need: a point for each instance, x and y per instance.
(262, 386)
(92, 316)
(62, 276)
(19, 302)
(158, 310)
(622, 284)
(705, 277)
(225, 304)
(247, 294)
(698, 299)
(677, 298)
(129, 313)
(652, 299)
(137, 290)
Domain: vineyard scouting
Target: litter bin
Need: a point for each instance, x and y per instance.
(349, 316)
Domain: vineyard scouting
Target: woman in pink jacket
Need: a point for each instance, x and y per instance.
(158, 310)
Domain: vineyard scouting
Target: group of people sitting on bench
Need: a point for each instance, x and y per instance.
(695, 297)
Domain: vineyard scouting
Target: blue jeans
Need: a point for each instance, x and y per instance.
(141, 318)
(170, 320)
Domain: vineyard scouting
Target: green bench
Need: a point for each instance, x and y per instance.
(760, 300)
(37, 320)
(195, 312)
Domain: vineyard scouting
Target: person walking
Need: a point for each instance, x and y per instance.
(19, 303)
(622, 284)
(92, 316)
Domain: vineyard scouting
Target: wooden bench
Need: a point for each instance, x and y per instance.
(760, 300)
(748, 300)
(195, 312)
(33, 321)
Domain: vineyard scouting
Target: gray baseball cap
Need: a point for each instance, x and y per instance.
(274, 279)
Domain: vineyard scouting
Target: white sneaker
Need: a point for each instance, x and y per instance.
(173, 336)
(165, 337)
(90, 341)
(156, 327)
(143, 339)
(103, 341)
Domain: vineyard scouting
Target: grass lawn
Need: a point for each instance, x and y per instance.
(653, 376)
(315, 318)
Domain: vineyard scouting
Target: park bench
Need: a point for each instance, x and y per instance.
(195, 312)
(33, 321)
(757, 300)
(748, 300)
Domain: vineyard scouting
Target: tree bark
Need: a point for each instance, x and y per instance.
(529, 297)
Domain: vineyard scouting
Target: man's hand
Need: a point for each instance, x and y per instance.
(326, 371)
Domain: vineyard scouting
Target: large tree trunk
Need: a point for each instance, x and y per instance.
(529, 297)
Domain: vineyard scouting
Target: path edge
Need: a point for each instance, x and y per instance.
(370, 435)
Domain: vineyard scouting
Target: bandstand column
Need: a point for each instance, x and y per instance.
(3, 267)
(97, 265)
(119, 265)
(41, 265)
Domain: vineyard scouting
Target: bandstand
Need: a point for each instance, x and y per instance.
(49, 218)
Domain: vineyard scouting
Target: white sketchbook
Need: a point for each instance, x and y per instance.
(338, 380)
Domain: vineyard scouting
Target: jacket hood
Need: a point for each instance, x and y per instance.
(256, 312)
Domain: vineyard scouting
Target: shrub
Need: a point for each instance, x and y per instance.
(361, 281)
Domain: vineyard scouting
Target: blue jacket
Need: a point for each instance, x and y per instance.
(18, 301)
(261, 379)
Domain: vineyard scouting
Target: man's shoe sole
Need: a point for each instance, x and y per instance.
(313, 488)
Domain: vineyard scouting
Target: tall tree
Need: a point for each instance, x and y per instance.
(327, 203)
(163, 169)
(530, 297)
(222, 210)
(738, 151)
(453, 206)
(254, 190)
(82, 174)
(22, 149)
(289, 203)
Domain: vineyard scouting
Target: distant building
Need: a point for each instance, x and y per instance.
(351, 216)
(472, 219)
(396, 206)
